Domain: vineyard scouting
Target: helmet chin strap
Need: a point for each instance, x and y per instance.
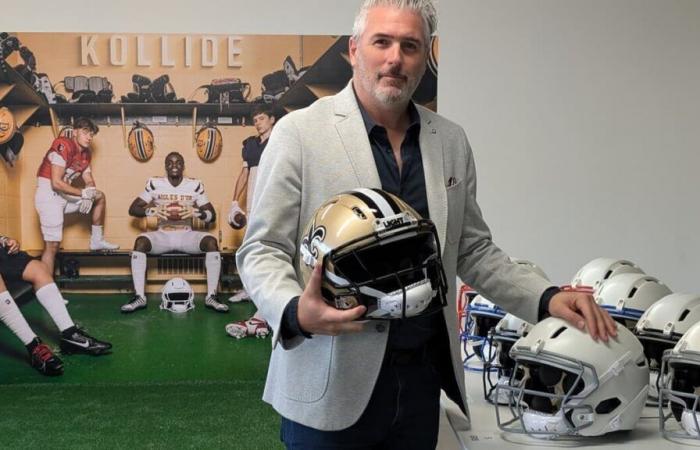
(688, 423)
(390, 304)
(546, 426)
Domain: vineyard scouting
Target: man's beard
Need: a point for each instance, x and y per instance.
(386, 95)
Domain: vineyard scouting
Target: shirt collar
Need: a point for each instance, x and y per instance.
(413, 116)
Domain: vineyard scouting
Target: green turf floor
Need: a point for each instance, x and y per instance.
(172, 381)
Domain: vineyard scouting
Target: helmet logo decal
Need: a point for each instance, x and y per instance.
(310, 244)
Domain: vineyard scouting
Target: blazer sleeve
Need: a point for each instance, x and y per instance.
(487, 268)
(265, 259)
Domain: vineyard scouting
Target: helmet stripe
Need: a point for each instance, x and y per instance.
(210, 143)
(389, 200)
(375, 202)
(139, 143)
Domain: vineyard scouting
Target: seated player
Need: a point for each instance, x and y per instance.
(15, 266)
(67, 160)
(174, 200)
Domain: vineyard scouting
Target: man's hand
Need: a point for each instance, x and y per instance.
(236, 216)
(317, 317)
(186, 212)
(581, 310)
(89, 193)
(160, 211)
(84, 206)
(12, 246)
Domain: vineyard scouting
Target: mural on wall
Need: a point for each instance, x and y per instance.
(152, 94)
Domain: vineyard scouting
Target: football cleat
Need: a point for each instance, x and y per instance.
(240, 295)
(43, 360)
(80, 342)
(137, 302)
(102, 245)
(213, 303)
(251, 327)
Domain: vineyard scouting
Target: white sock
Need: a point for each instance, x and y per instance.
(51, 299)
(138, 272)
(212, 262)
(13, 318)
(97, 234)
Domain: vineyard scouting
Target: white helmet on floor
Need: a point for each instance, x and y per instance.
(567, 384)
(177, 296)
(661, 327)
(627, 296)
(681, 387)
(594, 273)
(500, 366)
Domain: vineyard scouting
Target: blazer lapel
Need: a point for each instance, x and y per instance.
(432, 156)
(352, 133)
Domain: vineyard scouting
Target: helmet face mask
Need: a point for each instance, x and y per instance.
(679, 389)
(499, 367)
(177, 296)
(375, 251)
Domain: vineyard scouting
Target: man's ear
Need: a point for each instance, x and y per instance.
(352, 49)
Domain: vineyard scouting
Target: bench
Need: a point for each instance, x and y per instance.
(68, 264)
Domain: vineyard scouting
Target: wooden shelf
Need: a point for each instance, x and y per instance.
(5, 89)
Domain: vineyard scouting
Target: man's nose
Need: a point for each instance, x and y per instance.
(394, 55)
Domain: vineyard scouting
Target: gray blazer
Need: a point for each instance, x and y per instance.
(326, 382)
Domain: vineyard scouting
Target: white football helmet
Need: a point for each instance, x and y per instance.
(500, 365)
(661, 327)
(482, 317)
(566, 384)
(595, 272)
(627, 296)
(177, 296)
(680, 389)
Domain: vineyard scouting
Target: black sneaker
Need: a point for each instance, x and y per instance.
(43, 360)
(79, 341)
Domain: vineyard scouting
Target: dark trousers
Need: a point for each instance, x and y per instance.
(403, 412)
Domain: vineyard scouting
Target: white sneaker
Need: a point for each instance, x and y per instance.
(65, 302)
(137, 302)
(102, 245)
(213, 303)
(251, 327)
(240, 296)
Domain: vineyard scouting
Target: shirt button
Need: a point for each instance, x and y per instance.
(380, 327)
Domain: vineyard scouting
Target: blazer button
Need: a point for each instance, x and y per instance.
(381, 328)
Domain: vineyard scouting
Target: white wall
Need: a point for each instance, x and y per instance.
(583, 115)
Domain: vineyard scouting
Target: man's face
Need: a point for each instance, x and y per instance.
(263, 123)
(389, 58)
(174, 166)
(84, 137)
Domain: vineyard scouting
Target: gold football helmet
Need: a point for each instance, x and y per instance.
(141, 142)
(209, 142)
(376, 251)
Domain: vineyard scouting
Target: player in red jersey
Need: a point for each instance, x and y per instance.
(67, 160)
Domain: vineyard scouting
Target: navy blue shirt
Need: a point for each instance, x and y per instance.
(409, 185)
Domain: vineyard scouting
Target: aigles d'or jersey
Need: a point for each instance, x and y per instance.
(159, 192)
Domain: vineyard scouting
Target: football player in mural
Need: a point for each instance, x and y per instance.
(174, 200)
(15, 266)
(253, 146)
(67, 160)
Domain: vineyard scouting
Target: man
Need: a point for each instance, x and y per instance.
(253, 147)
(336, 381)
(67, 160)
(16, 266)
(174, 200)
